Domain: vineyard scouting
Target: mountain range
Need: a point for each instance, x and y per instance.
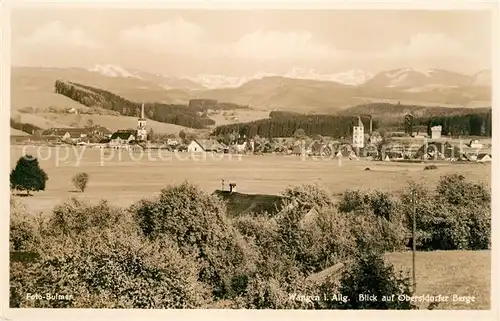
(303, 90)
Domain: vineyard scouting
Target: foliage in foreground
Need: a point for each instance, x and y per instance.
(180, 249)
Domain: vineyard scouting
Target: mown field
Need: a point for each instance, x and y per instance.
(113, 123)
(127, 179)
(448, 273)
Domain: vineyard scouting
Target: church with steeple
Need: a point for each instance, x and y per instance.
(142, 134)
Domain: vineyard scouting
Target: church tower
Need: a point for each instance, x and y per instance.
(142, 134)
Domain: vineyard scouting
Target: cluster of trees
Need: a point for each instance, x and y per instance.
(193, 115)
(455, 121)
(388, 110)
(28, 176)
(182, 249)
(285, 124)
(166, 113)
(454, 216)
(478, 124)
(25, 127)
(203, 105)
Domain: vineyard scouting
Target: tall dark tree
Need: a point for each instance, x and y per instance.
(151, 135)
(27, 175)
(409, 124)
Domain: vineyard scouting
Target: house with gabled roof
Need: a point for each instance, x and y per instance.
(483, 158)
(122, 137)
(67, 133)
(205, 145)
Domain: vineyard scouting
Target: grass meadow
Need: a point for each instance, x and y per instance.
(448, 273)
(125, 179)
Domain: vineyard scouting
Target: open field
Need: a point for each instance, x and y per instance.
(242, 116)
(464, 273)
(36, 120)
(125, 181)
(114, 123)
(17, 132)
(39, 99)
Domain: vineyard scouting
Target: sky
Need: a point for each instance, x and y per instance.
(245, 42)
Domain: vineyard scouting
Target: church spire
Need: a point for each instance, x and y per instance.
(142, 111)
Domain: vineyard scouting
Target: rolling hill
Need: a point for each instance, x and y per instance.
(35, 87)
(17, 132)
(408, 77)
(113, 123)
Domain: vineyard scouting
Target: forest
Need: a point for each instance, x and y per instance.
(284, 124)
(193, 115)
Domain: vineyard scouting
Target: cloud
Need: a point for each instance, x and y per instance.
(268, 45)
(174, 36)
(181, 37)
(429, 46)
(55, 34)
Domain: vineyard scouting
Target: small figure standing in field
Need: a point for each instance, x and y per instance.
(232, 187)
(80, 180)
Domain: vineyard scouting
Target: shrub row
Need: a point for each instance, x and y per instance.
(181, 250)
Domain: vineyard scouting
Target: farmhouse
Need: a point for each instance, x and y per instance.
(475, 144)
(205, 145)
(100, 131)
(320, 149)
(65, 134)
(438, 150)
(483, 158)
(122, 137)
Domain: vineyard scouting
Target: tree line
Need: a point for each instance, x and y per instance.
(193, 115)
(25, 127)
(285, 124)
(472, 124)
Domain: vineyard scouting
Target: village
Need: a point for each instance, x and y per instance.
(363, 144)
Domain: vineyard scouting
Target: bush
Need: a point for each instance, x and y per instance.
(197, 223)
(80, 181)
(76, 217)
(430, 167)
(110, 270)
(319, 250)
(352, 201)
(27, 175)
(457, 216)
(370, 275)
(307, 196)
(25, 228)
(455, 190)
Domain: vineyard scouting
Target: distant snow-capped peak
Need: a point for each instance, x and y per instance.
(113, 71)
(212, 81)
(351, 77)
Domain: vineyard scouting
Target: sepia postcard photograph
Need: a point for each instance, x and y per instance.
(253, 158)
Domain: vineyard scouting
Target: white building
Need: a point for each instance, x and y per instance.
(358, 135)
(142, 134)
(205, 145)
(436, 132)
(475, 144)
